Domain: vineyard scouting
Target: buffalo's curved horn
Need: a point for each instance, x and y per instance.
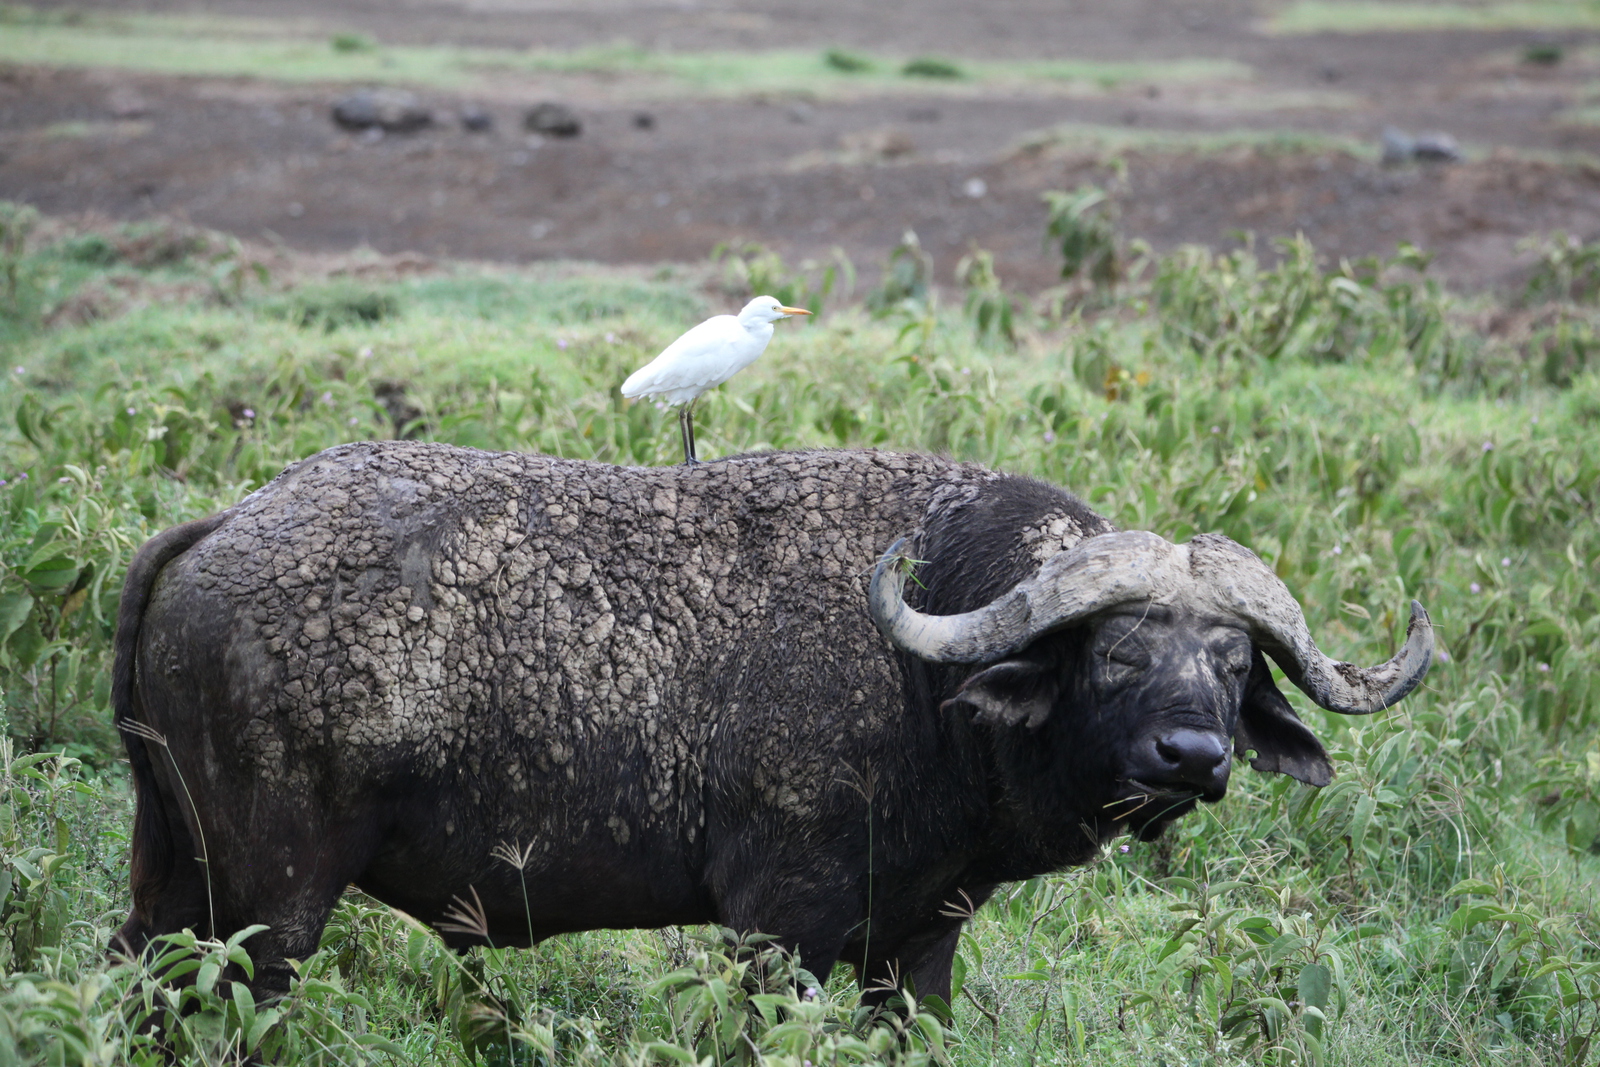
(1244, 585)
(1211, 575)
(1097, 573)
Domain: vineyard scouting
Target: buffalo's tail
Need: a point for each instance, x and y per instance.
(152, 861)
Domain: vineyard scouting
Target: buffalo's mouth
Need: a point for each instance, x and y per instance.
(1149, 808)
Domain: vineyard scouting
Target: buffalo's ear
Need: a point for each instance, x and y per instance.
(1012, 691)
(1283, 744)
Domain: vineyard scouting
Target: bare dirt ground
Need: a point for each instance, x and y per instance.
(805, 174)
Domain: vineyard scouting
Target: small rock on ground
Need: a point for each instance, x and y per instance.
(389, 110)
(552, 120)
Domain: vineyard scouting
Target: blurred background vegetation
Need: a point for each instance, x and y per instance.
(1373, 437)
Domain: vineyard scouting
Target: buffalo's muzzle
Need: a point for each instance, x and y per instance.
(1183, 759)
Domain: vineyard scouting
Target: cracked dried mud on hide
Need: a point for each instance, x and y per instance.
(439, 607)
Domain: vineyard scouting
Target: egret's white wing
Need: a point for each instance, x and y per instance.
(704, 357)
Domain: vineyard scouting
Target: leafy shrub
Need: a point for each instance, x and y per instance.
(91, 249)
(1567, 269)
(1229, 306)
(62, 550)
(931, 67)
(988, 307)
(164, 243)
(16, 223)
(753, 270)
(336, 306)
(907, 280)
(352, 42)
(848, 62)
(1570, 346)
(1543, 53)
(1081, 228)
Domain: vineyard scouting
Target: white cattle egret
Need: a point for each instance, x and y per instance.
(705, 357)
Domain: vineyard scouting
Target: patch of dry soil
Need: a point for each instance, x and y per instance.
(808, 175)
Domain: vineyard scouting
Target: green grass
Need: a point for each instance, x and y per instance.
(219, 46)
(1374, 16)
(1105, 137)
(1436, 905)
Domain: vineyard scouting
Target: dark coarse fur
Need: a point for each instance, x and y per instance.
(153, 854)
(660, 685)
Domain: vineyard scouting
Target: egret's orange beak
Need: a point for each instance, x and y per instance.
(793, 311)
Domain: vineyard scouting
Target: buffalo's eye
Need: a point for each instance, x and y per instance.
(1235, 658)
(1124, 653)
(1128, 655)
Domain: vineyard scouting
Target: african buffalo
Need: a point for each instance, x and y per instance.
(683, 695)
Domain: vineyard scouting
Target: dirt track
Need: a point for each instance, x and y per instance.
(805, 175)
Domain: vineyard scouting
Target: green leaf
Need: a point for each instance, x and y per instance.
(58, 572)
(671, 1052)
(379, 1043)
(1258, 928)
(245, 1002)
(1028, 976)
(768, 1004)
(14, 609)
(242, 958)
(1177, 940)
(1366, 804)
(1315, 983)
(210, 971)
(1503, 967)
(184, 964)
(32, 759)
(41, 537)
(938, 1007)
(259, 1027)
(28, 644)
(243, 935)
(1469, 915)
(1284, 947)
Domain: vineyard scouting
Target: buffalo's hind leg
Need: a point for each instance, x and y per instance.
(169, 884)
(239, 858)
(290, 883)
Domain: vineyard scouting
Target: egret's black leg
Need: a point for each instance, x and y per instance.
(686, 425)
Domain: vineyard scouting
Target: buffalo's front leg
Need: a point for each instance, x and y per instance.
(921, 959)
(920, 964)
(809, 903)
(809, 920)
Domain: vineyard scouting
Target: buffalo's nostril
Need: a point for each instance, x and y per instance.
(1168, 751)
(1193, 757)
